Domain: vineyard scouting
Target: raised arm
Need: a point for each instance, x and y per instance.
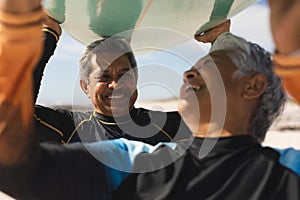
(20, 49)
(52, 32)
(29, 170)
(285, 26)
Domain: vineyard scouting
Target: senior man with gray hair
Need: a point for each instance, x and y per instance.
(289, 157)
(222, 162)
(108, 77)
(237, 167)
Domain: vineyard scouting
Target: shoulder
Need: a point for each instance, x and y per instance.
(290, 158)
(155, 115)
(283, 162)
(67, 111)
(161, 156)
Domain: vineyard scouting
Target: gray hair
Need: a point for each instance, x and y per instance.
(251, 59)
(107, 45)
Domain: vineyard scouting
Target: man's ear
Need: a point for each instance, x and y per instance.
(255, 86)
(84, 86)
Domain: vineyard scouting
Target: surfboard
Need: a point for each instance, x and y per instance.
(89, 20)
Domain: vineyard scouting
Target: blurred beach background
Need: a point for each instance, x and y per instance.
(60, 85)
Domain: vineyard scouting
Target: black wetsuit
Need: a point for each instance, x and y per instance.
(64, 126)
(236, 168)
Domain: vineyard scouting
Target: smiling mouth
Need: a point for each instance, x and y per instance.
(114, 97)
(193, 87)
(196, 87)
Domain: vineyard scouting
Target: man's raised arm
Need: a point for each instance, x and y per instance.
(20, 49)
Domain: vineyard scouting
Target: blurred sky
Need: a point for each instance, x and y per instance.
(160, 73)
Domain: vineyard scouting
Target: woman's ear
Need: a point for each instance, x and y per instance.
(84, 86)
(255, 87)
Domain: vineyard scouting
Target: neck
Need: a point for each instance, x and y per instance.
(132, 112)
(214, 130)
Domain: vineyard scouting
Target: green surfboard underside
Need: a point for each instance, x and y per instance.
(89, 20)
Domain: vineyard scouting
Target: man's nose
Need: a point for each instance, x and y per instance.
(190, 74)
(114, 84)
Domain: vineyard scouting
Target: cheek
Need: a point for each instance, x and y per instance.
(95, 90)
(131, 85)
(234, 95)
(91, 89)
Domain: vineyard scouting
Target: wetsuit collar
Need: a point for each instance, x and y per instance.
(221, 144)
(117, 120)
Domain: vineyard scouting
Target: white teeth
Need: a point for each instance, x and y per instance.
(116, 97)
(195, 87)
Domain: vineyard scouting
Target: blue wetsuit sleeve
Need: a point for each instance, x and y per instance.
(75, 171)
(118, 157)
(290, 158)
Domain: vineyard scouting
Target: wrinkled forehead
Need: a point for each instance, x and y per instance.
(109, 60)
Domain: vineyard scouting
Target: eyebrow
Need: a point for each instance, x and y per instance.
(208, 61)
(125, 69)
